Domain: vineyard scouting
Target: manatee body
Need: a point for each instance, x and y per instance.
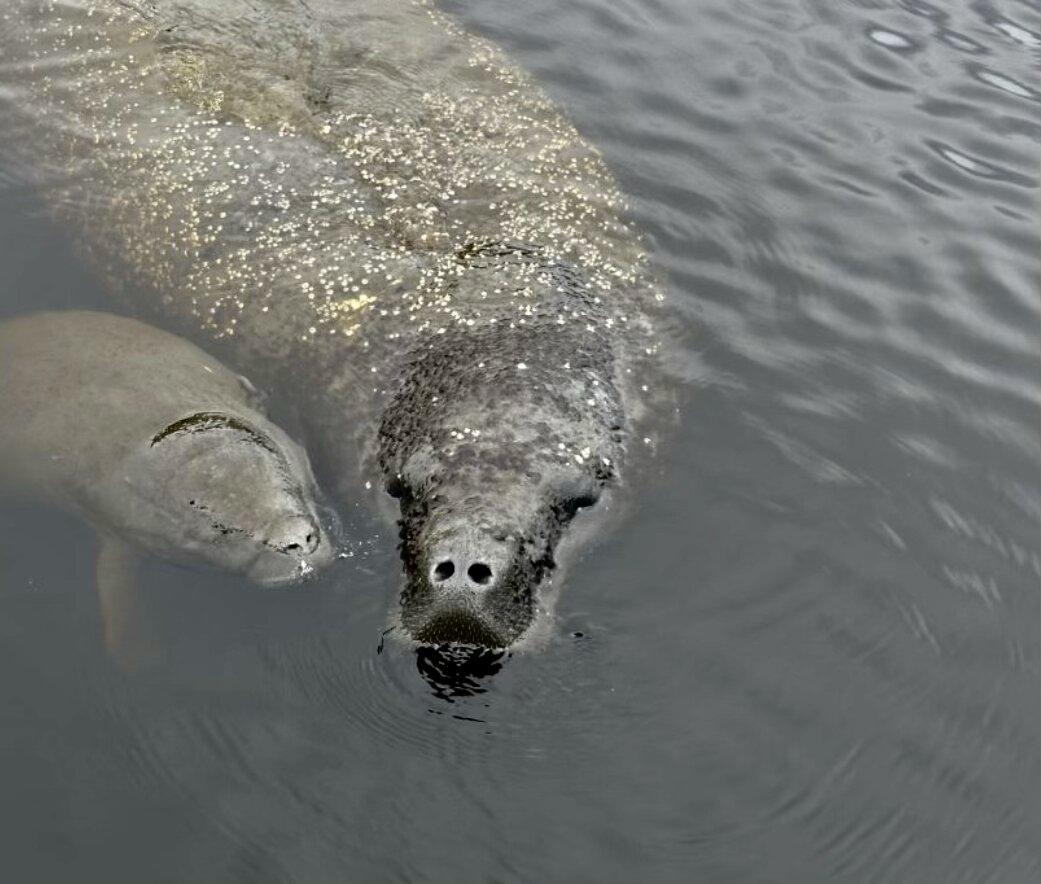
(377, 215)
(155, 443)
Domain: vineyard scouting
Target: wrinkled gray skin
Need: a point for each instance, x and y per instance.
(155, 443)
(387, 224)
(482, 514)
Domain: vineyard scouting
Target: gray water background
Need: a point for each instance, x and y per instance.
(806, 644)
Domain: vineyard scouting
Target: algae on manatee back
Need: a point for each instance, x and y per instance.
(333, 191)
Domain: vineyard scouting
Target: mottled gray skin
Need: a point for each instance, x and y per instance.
(384, 221)
(482, 512)
(154, 443)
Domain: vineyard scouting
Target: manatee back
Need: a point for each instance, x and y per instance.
(82, 389)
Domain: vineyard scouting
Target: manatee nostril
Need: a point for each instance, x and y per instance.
(444, 570)
(296, 537)
(479, 572)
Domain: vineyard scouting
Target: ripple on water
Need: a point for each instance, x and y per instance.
(1017, 32)
(891, 39)
(1004, 83)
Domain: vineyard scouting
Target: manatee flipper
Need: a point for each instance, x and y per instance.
(117, 580)
(254, 396)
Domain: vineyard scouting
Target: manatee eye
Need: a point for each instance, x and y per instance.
(582, 501)
(579, 496)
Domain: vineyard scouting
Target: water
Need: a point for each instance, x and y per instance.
(805, 644)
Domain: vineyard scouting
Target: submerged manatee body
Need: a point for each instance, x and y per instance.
(155, 443)
(386, 222)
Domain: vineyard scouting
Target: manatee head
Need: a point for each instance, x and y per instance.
(495, 439)
(229, 490)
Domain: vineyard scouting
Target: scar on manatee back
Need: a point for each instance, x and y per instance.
(209, 420)
(158, 446)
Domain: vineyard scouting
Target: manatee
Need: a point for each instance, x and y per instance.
(158, 446)
(383, 220)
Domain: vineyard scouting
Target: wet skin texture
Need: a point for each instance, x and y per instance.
(472, 445)
(156, 444)
(385, 223)
(215, 487)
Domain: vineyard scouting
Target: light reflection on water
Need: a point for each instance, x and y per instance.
(807, 649)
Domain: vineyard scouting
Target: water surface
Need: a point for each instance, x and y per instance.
(805, 646)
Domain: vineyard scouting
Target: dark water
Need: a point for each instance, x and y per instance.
(806, 647)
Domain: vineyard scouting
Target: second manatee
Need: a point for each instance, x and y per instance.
(158, 446)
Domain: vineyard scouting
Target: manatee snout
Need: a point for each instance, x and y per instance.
(496, 437)
(474, 568)
(295, 534)
(465, 588)
(291, 546)
(232, 490)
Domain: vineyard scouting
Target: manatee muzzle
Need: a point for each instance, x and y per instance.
(459, 623)
(468, 586)
(250, 492)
